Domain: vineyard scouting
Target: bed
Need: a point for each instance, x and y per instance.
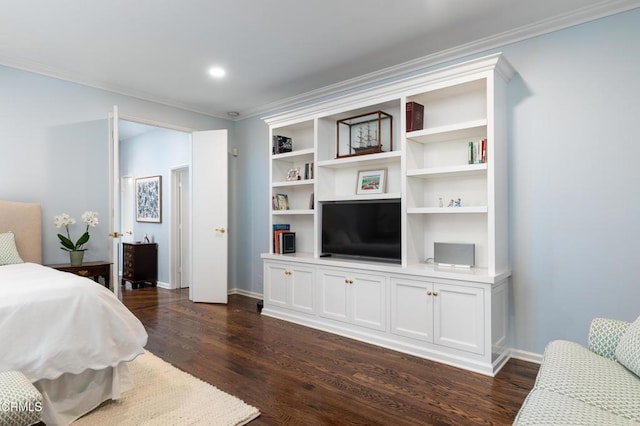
(71, 337)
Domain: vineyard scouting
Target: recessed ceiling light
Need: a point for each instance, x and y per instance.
(217, 72)
(233, 114)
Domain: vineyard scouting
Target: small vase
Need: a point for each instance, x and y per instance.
(76, 257)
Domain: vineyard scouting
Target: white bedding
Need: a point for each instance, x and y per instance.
(54, 325)
(53, 322)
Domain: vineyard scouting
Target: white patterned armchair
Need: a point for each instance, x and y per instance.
(595, 386)
(20, 401)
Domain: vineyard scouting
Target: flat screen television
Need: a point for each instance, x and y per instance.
(368, 230)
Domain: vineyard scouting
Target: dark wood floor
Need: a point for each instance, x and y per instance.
(299, 376)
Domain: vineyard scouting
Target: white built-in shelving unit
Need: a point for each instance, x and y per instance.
(451, 315)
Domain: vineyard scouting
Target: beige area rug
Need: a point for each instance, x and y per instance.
(164, 395)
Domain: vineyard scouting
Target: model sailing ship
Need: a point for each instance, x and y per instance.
(366, 143)
(364, 134)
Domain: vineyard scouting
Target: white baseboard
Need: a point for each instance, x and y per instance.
(245, 293)
(526, 356)
(240, 291)
(168, 286)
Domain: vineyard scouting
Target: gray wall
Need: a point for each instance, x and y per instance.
(252, 198)
(574, 202)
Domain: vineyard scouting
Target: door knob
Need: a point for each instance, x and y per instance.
(115, 234)
(221, 230)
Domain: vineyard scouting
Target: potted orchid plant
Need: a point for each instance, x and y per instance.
(76, 249)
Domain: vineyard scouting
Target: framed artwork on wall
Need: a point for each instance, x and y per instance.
(371, 181)
(149, 199)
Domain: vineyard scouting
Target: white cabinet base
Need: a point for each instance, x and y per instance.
(456, 322)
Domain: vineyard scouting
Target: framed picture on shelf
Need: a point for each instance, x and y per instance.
(282, 202)
(294, 174)
(371, 181)
(149, 199)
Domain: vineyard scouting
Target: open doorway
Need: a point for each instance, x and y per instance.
(148, 150)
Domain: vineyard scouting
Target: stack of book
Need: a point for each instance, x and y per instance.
(477, 152)
(283, 239)
(308, 171)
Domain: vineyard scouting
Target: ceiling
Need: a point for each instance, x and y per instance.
(275, 52)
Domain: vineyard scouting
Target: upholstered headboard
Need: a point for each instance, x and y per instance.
(25, 221)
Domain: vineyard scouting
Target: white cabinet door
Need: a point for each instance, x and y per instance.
(289, 286)
(334, 289)
(367, 300)
(353, 297)
(275, 284)
(301, 288)
(459, 317)
(412, 309)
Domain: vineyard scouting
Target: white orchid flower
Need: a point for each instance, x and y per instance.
(90, 218)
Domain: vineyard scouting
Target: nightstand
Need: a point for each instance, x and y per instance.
(139, 263)
(94, 270)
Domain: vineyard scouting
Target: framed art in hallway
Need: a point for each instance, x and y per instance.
(149, 199)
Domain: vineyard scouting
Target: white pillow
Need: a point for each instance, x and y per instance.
(8, 250)
(628, 349)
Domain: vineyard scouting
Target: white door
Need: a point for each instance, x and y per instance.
(126, 214)
(209, 240)
(180, 228)
(114, 183)
(185, 230)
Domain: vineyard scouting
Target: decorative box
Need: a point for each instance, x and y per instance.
(364, 134)
(281, 144)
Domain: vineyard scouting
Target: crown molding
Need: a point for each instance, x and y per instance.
(577, 17)
(388, 91)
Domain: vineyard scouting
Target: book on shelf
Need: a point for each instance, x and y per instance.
(280, 202)
(311, 201)
(477, 152)
(308, 171)
(279, 228)
(281, 144)
(287, 243)
(415, 116)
